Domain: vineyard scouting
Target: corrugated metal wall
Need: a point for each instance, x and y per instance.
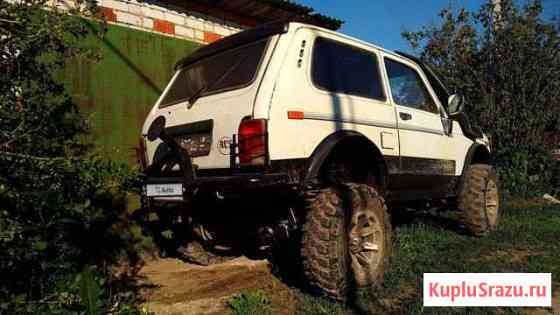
(117, 91)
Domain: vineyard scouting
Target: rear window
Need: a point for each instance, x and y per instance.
(345, 69)
(226, 71)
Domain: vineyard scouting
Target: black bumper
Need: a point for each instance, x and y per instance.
(228, 184)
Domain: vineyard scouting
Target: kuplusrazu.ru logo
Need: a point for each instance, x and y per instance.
(487, 289)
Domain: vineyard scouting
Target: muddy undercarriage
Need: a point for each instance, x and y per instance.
(214, 226)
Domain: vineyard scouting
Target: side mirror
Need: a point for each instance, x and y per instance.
(455, 104)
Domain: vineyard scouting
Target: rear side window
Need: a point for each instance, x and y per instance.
(341, 68)
(226, 71)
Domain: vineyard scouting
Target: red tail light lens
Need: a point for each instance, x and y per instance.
(252, 142)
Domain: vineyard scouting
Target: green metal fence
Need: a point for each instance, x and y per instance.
(117, 91)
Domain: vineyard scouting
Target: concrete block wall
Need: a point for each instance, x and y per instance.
(166, 20)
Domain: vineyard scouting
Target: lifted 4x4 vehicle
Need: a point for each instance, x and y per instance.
(291, 131)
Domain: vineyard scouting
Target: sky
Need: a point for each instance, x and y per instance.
(382, 21)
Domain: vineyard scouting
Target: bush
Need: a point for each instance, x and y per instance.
(58, 216)
(506, 61)
(525, 172)
(62, 210)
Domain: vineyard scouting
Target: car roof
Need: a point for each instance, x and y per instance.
(295, 25)
(263, 31)
(235, 40)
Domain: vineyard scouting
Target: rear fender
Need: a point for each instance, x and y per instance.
(326, 147)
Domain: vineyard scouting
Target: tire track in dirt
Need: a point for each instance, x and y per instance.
(175, 287)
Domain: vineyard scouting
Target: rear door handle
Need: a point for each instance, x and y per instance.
(405, 116)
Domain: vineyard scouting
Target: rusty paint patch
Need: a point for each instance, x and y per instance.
(164, 26)
(108, 13)
(210, 37)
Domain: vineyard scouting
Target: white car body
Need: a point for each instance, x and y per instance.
(417, 144)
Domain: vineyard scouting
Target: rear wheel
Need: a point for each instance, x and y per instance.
(346, 239)
(479, 200)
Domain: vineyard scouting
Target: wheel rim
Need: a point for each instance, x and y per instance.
(365, 244)
(491, 203)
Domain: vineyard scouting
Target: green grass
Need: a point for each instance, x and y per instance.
(252, 302)
(310, 305)
(528, 240)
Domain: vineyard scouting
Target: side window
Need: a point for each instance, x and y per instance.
(407, 88)
(341, 68)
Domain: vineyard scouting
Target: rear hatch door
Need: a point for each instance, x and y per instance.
(207, 99)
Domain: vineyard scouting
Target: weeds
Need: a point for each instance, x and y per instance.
(253, 302)
(319, 306)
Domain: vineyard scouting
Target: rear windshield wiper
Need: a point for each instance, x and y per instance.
(205, 88)
(196, 95)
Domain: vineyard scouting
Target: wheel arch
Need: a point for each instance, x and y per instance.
(477, 154)
(362, 148)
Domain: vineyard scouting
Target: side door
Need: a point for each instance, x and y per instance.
(427, 162)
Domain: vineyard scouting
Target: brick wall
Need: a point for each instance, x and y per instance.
(163, 19)
(167, 20)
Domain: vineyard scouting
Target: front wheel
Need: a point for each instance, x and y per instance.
(479, 200)
(346, 239)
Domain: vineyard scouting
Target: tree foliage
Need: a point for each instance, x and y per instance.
(506, 61)
(58, 203)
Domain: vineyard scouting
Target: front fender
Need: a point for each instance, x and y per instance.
(477, 153)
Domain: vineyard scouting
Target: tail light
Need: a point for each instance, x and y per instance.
(252, 139)
(141, 154)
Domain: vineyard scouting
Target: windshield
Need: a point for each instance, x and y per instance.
(229, 70)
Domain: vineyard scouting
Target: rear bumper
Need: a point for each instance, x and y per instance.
(230, 183)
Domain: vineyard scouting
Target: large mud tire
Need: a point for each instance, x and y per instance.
(479, 200)
(346, 239)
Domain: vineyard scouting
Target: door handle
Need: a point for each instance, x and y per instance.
(405, 116)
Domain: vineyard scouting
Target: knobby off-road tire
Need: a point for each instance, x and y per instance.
(479, 200)
(346, 239)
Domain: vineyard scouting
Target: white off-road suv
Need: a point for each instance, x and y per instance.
(292, 131)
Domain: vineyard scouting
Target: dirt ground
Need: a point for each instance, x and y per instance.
(175, 287)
